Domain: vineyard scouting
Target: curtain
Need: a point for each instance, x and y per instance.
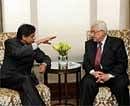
(1, 25)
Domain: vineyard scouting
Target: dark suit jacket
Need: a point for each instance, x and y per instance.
(19, 58)
(114, 58)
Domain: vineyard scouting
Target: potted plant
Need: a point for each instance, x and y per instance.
(62, 48)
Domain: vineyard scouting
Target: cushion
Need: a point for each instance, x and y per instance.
(104, 97)
(9, 97)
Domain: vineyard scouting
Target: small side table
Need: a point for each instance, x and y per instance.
(73, 67)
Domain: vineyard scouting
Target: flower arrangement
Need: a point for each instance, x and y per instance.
(62, 48)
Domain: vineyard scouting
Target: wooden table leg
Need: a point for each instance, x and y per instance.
(59, 86)
(66, 89)
(78, 78)
(46, 78)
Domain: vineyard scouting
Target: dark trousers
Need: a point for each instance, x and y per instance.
(89, 89)
(26, 87)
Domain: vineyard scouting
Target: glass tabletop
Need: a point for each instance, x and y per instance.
(71, 65)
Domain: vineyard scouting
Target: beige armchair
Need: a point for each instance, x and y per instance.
(104, 95)
(125, 35)
(9, 97)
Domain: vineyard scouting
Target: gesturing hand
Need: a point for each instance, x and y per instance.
(45, 40)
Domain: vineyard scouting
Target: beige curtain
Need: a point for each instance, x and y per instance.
(1, 26)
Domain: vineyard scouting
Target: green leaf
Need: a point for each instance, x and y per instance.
(62, 48)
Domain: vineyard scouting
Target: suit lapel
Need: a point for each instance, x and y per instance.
(93, 53)
(105, 49)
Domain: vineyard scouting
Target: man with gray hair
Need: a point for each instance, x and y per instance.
(105, 63)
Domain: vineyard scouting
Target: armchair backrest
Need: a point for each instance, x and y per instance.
(3, 37)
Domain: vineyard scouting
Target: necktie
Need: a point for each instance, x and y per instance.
(98, 56)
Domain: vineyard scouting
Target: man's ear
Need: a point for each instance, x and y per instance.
(23, 37)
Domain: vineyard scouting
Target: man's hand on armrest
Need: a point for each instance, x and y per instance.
(42, 67)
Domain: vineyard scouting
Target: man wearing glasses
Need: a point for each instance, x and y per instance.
(105, 63)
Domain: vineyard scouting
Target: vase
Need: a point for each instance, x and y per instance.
(63, 62)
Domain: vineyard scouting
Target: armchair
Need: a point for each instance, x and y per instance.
(9, 97)
(104, 95)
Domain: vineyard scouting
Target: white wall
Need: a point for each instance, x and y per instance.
(68, 20)
(15, 12)
(124, 14)
(109, 11)
(115, 12)
(93, 11)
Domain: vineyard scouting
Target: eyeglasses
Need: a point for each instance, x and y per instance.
(94, 32)
(91, 33)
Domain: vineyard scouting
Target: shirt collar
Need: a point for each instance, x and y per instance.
(104, 40)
